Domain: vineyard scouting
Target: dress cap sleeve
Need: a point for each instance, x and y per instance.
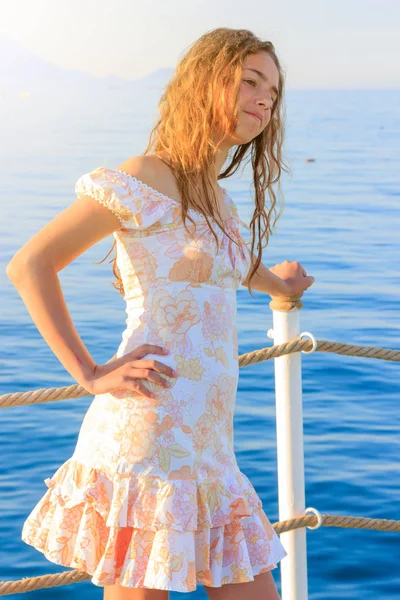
(134, 203)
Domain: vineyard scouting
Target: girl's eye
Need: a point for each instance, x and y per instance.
(274, 101)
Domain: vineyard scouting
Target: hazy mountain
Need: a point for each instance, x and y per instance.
(23, 71)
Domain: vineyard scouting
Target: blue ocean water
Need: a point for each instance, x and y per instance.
(340, 221)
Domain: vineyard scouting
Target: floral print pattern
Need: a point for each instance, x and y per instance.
(153, 496)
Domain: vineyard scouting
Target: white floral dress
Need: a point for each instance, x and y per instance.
(153, 496)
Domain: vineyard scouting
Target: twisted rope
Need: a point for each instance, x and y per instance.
(298, 344)
(30, 584)
(249, 358)
(337, 521)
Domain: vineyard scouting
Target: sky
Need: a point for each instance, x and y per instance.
(323, 44)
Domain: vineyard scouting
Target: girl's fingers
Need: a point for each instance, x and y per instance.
(142, 389)
(144, 349)
(153, 365)
(158, 379)
(134, 374)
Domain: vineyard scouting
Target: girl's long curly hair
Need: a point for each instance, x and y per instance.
(201, 98)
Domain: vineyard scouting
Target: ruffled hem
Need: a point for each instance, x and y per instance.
(152, 503)
(116, 530)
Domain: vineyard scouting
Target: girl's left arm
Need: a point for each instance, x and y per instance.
(284, 279)
(265, 281)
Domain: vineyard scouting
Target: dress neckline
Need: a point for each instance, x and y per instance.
(193, 210)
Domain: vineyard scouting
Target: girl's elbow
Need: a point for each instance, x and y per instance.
(19, 266)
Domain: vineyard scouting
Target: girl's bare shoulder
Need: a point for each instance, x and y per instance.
(148, 167)
(154, 172)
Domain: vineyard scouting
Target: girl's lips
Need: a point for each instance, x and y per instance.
(251, 115)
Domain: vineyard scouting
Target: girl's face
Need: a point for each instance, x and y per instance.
(258, 92)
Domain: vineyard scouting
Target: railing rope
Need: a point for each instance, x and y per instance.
(249, 358)
(29, 584)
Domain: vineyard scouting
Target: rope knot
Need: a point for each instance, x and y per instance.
(286, 303)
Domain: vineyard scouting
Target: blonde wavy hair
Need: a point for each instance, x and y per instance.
(200, 98)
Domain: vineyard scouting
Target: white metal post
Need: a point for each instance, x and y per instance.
(290, 454)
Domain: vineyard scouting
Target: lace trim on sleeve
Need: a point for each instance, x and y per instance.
(98, 194)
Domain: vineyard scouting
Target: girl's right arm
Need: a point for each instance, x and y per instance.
(33, 271)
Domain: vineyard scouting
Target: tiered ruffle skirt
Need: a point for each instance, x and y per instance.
(142, 531)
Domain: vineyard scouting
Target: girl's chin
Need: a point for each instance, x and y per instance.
(244, 136)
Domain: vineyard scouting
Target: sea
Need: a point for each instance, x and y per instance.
(340, 220)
